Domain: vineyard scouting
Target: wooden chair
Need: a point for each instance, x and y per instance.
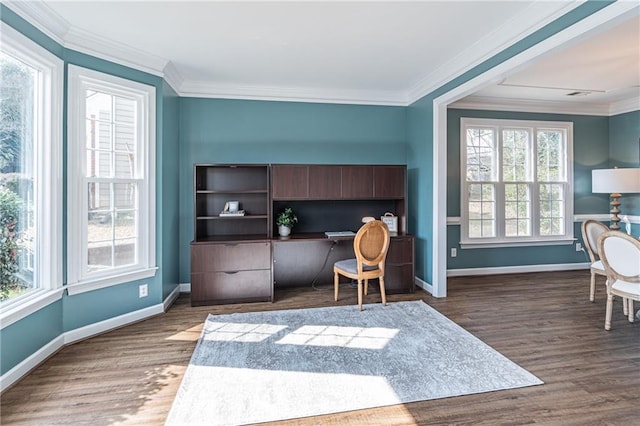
(370, 246)
(620, 254)
(591, 231)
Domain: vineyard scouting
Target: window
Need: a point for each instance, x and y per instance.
(516, 182)
(111, 180)
(30, 176)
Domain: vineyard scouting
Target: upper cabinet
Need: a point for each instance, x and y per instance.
(290, 182)
(389, 181)
(329, 182)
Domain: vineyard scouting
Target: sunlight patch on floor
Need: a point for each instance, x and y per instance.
(189, 335)
(345, 337)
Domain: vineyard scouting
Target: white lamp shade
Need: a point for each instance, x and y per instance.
(620, 181)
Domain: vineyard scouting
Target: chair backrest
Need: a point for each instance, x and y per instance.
(620, 254)
(371, 243)
(591, 231)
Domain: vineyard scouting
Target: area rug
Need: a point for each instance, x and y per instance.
(268, 366)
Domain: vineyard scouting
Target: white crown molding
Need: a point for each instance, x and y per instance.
(530, 105)
(88, 43)
(501, 38)
(622, 107)
(201, 89)
(173, 76)
(41, 17)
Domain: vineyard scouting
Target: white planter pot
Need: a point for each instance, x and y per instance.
(284, 231)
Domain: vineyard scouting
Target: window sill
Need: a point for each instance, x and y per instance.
(28, 305)
(111, 280)
(520, 243)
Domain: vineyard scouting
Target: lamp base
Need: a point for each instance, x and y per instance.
(615, 211)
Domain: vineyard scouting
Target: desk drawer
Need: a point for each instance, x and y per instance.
(230, 257)
(226, 287)
(400, 251)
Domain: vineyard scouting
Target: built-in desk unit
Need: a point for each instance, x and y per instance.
(241, 258)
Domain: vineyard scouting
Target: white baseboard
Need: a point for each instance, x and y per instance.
(171, 298)
(35, 359)
(185, 287)
(424, 285)
(521, 269)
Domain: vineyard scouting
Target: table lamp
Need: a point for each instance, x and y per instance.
(615, 182)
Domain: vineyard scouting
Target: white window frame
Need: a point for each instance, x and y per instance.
(501, 240)
(48, 177)
(79, 280)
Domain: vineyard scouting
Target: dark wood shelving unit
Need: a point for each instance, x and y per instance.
(231, 255)
(241, 258)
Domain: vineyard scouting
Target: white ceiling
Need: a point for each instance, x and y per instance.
(371, 52)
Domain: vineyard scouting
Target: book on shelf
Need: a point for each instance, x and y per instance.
(235, 213)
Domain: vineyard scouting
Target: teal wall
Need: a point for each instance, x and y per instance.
(169, 175)
(624, 151)
(23, 338)
(238, 131)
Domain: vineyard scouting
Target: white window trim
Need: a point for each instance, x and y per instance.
(78, 79)
(500, 240)
(48, 190)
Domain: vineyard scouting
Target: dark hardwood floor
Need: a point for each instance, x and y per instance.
(542, 321)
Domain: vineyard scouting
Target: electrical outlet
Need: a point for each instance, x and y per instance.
(578, 247)
(143, 290)
(454, 252)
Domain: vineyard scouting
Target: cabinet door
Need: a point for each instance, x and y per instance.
(389, 181)
(290, 182)
(357, 182)
(325, 182)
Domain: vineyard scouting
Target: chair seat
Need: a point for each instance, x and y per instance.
(626, 287)
(351, 266)
(597, 266)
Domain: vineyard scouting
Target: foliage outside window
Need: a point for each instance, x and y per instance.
(111, 189)
(30, 180)
(516, 181)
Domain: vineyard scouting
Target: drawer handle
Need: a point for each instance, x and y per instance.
(231, 272)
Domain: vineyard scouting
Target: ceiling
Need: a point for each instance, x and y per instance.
(369, 52)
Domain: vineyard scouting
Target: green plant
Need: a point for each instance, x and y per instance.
(10, 208)
(287, 218)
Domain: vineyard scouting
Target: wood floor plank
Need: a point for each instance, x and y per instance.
(542, 321)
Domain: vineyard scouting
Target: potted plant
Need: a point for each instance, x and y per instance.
(285, 221)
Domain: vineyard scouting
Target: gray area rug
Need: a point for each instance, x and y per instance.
(267, 366)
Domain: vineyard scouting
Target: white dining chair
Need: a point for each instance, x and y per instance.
(620, 254)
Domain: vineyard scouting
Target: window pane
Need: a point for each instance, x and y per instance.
(515, 158)
(552, 206)
(125, 225)
(481, 210)
(125, 252)
(551, 156)
(100, 256)
(19, 89)
(517, 211)
(481, 154)
(125, 195)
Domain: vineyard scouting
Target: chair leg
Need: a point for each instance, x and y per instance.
(592, 292)
(625, 306)
(336, 284)
(366, 287)
(630, 310)
(607, 318)
(382, 292)
(359, 294)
